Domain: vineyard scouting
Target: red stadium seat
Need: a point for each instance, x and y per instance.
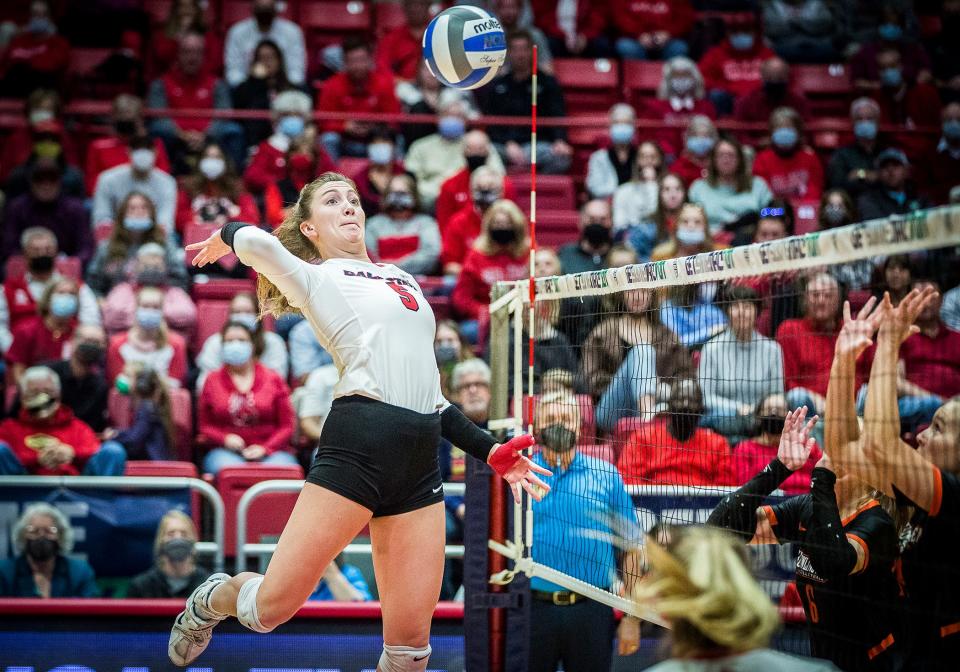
(120, 410)
(158, 10)
(589, 85)
(389, 15)
(215, 313)
(222, 288)
(336, 16)
(554, 192)
(640, 80)
(826, 87)
(268, 514)
(68, 266)
(563, 222)
(84, 60)
(806, 213)
(169, 468)
(232, 11)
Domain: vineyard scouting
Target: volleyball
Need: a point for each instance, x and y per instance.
(464, 47)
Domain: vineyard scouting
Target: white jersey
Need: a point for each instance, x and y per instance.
(372, 318)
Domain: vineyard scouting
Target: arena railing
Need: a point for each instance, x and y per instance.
(213, 548)
(245, 548)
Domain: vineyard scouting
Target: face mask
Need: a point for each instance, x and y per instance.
(63, 305)
(40, 116)
(249, 320)
(690, 237)
(951, 129)
(558, 438)
(446, 352)
(237, 353)
(380, 153)
(707, 291)
(41, 26)
(40, 265)
(775, 90)
(682, 85)
(834, 214)
(137, 223)
(621, 134)
(451, 128)
(891, 77)
(142, 159)
(398, 200)
(177, 550)
(42, 549)
(742, 41)
(124, 127)
(47, 149)
(683, 422)
(212, 167)
(890, 32)
(770, 424)
(503, 236)
(699, 145)
(41, 405)
(149, 318)
(785, 137)
(484, 198)
(291, 126)
(865, 129)
(89, 353)
(596, 234)
(474, 162)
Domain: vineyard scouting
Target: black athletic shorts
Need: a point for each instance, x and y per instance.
(380, 456)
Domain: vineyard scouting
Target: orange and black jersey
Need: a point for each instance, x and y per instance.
(929, 546)
(853, 618)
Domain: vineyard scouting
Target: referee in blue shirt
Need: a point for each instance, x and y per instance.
(588, 503)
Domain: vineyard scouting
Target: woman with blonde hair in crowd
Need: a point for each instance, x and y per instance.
(175, 572)
(690, 235)
(149, 343)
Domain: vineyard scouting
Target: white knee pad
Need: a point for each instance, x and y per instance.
(403, 659)
(247, 605)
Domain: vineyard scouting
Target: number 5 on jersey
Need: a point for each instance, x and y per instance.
(406, 297)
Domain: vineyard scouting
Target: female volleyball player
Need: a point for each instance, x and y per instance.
(926, 479)
(847, 539)
(377, 459)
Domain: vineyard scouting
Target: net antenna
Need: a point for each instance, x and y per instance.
(833, 249)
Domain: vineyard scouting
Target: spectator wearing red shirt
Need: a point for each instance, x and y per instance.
(788, 165)
(359, 88)
(114, 149)
(47, 439)
(455, 194)
(580, 38)
(46, 337)
(941, 170)
(698, 141)
(930, 374)
(268, 162)
(185, 16)
(36, 57)
(303, 163)
(399, 50)
(188, 85)
(674, 450)
(213, 194)
(750, 456)
(499, 253)
(681, 95)
(731, 69)
(149, 344)
(902, 101)
(652, 28)
(244, 410)
(42, 130)
(774, 92)
(383, 166)
(486, 187)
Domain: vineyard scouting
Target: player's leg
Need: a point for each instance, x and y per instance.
(408, 562)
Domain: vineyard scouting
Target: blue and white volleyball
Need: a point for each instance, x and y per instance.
(464, 47)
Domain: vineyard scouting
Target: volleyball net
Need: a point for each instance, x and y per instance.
(675, 376)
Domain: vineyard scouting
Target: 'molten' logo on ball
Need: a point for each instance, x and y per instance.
(484, 26)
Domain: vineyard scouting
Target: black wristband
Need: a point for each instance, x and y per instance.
(459, 430)
(229, 231)
(737, 512)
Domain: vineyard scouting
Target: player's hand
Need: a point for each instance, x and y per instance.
(856, 335)
(211, 249)
(795, 440)
(517, 470)
(628, 636)
(898, 321)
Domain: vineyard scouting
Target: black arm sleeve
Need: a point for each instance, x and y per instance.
(737, 511)
(457, 428)
(229, 231)
(826, 543)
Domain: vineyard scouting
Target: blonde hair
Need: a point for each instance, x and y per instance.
(272, 300)
(704, 588)
(519, 247)
(169, 517)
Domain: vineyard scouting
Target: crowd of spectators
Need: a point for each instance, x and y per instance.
(101, 301)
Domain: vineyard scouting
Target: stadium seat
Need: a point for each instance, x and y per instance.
(215, 313)
(554, 192)
(336, 16)
(563, 222)
(67, 266)
(232, 11)
(389, 15)
(157, 10)
(640, 80)
(268, 514)
(120, 410)
(442, 308)
(222, 288)
(589, 85)
(83, 61)
(826, 87)
(806, 213)
(169, 468)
